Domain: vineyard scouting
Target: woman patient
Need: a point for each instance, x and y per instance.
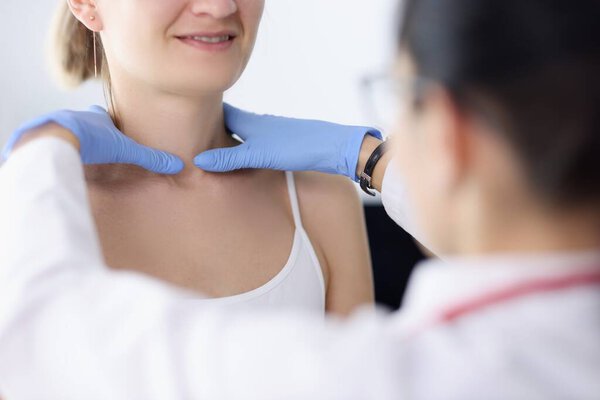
(256, 237)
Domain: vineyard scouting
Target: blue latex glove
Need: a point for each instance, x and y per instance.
(101, 142)
(287, 144)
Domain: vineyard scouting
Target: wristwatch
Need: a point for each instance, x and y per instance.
(366, 177)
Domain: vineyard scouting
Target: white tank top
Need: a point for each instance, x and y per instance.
(300, 283)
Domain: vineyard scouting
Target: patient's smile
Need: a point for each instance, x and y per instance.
(214, 41)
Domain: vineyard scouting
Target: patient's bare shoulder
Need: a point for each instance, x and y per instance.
(329, 196)
(330, 207)
(333, 217)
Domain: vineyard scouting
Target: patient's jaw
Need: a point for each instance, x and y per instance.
(169, 63)
(180, 47)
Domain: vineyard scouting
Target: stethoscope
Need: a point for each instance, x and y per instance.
(508, 293)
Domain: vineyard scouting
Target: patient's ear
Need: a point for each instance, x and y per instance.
(87, 13)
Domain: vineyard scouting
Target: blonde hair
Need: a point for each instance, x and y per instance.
(72, 55)
(72, 50)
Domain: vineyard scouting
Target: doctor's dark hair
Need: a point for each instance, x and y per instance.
(529, 67)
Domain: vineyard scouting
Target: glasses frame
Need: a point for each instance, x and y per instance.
(404, 90)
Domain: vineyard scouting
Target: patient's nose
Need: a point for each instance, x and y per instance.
(214, 8)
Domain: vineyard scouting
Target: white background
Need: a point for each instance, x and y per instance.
(308, 62)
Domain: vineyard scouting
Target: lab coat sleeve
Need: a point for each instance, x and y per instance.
(70, 328)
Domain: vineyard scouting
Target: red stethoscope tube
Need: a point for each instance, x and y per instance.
(516, 291)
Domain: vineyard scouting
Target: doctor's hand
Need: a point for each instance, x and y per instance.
(98, 140)
(287, 144)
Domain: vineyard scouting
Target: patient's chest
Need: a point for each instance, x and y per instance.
(220, 236)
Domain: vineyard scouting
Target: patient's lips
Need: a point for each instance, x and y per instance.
(209, 41)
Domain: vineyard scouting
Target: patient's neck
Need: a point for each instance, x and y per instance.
(184, 126)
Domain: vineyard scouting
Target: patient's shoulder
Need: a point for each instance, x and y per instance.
(330, 205)
(332, 216)
(332, 194)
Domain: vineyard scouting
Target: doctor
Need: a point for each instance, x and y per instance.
(497, 149)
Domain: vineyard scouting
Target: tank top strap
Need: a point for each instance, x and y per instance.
(291, 184)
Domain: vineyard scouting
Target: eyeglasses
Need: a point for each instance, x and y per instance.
(387, 96)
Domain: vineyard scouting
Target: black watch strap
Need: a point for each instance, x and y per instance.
(367, 175)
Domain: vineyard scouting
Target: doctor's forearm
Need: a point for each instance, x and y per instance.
(369, 145)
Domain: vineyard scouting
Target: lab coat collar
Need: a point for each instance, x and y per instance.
(437, 285)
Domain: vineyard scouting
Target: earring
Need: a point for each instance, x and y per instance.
(95, 57)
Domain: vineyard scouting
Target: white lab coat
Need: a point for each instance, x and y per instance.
(70, 328)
